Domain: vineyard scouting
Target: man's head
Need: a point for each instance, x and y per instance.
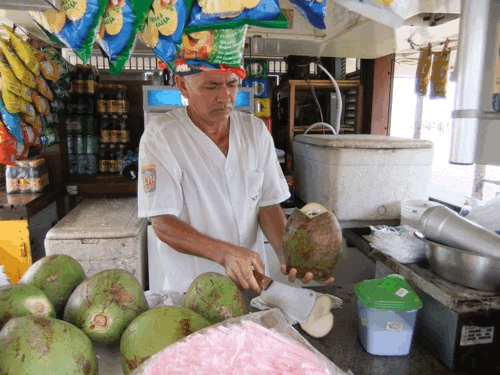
(211, 94)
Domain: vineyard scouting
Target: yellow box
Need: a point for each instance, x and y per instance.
(15, 249)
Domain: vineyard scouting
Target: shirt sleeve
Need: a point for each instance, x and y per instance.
(275, 188)
(159, 189)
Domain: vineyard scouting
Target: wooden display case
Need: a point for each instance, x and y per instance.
(285, 123)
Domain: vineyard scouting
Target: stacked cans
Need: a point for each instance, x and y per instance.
(83, 144)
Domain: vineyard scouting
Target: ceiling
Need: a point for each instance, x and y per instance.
(349, 34)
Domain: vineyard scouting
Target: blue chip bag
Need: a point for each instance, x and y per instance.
(13, 122)
(164, 27)
(122, 21)
(75, 25)
(216, 14)
(314, 11)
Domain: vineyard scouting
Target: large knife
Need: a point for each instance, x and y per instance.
(293, 301)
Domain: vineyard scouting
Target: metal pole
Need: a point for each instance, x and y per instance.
(479, 180)
(419, 109)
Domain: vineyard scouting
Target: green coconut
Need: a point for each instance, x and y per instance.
(154, 330)
(215, 297)
(23, 300)
(38, 346)
(57, 276)
(312, 241)
(105, 304)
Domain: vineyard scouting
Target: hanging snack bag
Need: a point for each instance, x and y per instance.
(217, 14)
(49, 68)
(43, 88)
(35, 121)
(16, 104)
(75, 25)
(65, 67)
(423, 71)
(122, 21)
(222, 46)
(12, 122)
(23, 50)
(439, 74)
(22, 73)
(41, 104)
(10, 148)
(164, 26)
(31, 136)
(314, 11)
(49, 137)
(11, 83)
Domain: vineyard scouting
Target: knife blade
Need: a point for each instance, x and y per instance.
(294, 301)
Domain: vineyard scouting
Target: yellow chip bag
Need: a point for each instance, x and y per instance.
(35, 121)
(21, 72)
(49, 68)
(23, 50)
(11, 83)
(41, 104)
(43, 88)
(16, 104)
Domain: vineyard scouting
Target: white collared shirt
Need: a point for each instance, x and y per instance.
(184, 173)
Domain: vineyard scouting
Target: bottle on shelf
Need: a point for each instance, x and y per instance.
(89, 90)
(122, 104)
(111, 159)
(102, 99)
(124, 130)
(105, 129)
(101, 159)
(115, 129)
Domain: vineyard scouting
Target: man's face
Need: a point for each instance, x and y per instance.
(211, 95)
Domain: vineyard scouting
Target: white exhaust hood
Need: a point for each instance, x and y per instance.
(350, 34)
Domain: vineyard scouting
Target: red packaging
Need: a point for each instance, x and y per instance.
(10, 148)
(269, 123)
(31, 136)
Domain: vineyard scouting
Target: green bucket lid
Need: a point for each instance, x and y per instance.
(389, 293)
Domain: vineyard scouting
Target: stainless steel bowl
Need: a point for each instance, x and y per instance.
(463, 267)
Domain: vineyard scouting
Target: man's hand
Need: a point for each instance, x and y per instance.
(292, 275)
(239, 263)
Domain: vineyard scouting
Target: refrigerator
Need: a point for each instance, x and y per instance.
(160, 99)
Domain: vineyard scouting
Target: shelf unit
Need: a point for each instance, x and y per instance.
(353, 105)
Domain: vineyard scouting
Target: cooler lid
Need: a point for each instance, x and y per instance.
(389, 293)
(361, 141)
(100, 218)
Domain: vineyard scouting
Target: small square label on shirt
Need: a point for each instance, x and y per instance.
(148, 173)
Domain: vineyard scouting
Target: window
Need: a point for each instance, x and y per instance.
(436, 126)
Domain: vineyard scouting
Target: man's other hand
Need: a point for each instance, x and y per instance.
(292, 276)
(239, 263)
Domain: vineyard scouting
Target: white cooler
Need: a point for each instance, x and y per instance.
(103, 234)
(362, 176)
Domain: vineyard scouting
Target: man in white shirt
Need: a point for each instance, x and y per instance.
(210, 181)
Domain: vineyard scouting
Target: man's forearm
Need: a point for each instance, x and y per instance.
(273, 221)
(184, 238)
